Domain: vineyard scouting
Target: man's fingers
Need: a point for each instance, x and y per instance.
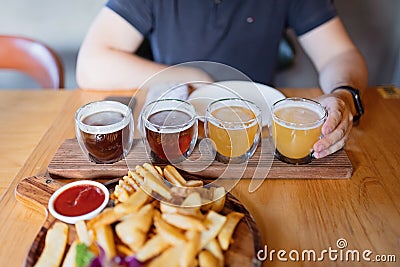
(336, 109)
(333, 119)
(331, 139)
(332, 149)
(336, 128)
(334, 141)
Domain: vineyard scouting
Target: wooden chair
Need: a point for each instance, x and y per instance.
(32, 58)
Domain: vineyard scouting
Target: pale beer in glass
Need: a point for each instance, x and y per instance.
(234, 126)
(296, 126)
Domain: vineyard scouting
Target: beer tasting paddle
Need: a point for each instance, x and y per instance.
(69, 162)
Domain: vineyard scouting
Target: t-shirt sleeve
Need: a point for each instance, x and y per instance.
(305, 15)
(136, 12)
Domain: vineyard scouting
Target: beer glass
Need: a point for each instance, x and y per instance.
(170, 128)
(234, 126)
(104, 130)
(296, 126)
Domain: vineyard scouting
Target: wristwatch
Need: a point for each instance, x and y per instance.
(357, 102)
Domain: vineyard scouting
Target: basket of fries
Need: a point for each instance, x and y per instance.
(157, 218)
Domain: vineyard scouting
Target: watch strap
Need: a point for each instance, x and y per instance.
(356, 99)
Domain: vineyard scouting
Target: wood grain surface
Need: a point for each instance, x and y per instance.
(22, 125)
(299, 214)
(70, 162)
(36, 191)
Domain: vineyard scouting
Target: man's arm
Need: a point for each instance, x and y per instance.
(338, 63)
(106, 58)
(335, 57)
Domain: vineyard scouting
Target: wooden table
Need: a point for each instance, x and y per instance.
(292, 215)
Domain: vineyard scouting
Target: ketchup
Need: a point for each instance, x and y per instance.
(79, 200)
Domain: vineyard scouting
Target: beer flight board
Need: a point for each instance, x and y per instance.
(69, 162)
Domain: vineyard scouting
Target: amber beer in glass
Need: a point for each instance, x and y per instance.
(170, 129)
(234, 126)
(296, 126)
(104, 130)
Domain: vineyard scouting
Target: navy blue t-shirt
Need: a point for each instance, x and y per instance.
(244, 34)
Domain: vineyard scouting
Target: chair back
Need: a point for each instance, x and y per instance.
(32, 58)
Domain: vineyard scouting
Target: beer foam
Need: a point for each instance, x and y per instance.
(98, 107)
(171, 128)
(234, 126)
(282, 118)
(233, 117)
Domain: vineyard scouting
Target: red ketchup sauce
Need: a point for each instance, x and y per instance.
(79, 200)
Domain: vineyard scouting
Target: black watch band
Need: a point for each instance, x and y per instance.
(356, 99)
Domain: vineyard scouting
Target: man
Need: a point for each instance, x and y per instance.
(241, 34)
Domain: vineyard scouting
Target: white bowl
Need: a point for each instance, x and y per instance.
(87, 216)
(260, 94)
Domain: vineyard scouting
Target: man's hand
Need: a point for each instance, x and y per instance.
(337, 127)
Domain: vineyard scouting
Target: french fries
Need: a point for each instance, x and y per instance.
(108, 216)
(169, 258)
(151, 248)
(207, 259)
(192, 212)
(218, 201)
(56, 240)
(213, 223)
(194, 183)
(190, 249)
(169, 233)
(215, 249)
(132, 230)
(69, 260)
(225, 235)
(187, 230)
(105, 239)
(83, 234)
(133, 203)
(151, 169)
(153, 180)
(184, 222)
(173, 176)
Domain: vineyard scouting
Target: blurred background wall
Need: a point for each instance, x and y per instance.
(374, 26)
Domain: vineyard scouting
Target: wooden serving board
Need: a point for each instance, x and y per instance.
(35, 192)
(69, 162)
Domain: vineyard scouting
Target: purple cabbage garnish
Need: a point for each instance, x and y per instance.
(99, 261)
(132, 262)
(117, 261)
